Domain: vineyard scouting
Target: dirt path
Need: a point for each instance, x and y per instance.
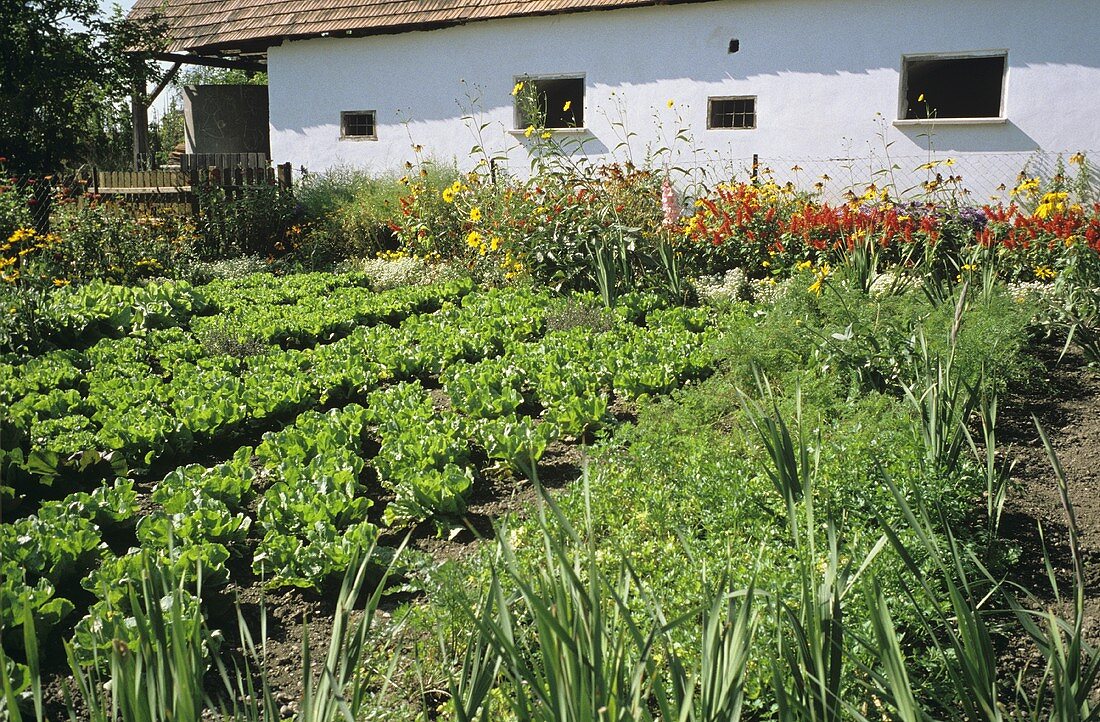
(1064, 396)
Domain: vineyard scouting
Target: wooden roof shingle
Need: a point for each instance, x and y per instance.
(212, 26)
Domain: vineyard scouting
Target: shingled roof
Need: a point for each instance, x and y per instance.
(212, 26)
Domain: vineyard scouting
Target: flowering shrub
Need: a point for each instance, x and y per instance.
(428, 224)
(25, 257)
(26, 274)
(566, 229)
(1038, 244)
(120, 244)
(16, 201)
(738, 226)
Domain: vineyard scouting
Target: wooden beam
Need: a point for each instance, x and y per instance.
(211, 62)
(163, 84)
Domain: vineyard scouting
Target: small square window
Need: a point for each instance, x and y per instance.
(358, 124)
(952, 86)
(560, 102)
(737, 113)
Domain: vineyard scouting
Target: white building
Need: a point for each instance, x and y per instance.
(816, 85)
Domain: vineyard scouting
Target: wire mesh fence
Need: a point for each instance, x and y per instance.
(28, 200)
(971, 178)
(31, 201)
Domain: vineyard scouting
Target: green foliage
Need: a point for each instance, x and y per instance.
(578, 642)
(760, 503)
(349, 212)
(255, 220)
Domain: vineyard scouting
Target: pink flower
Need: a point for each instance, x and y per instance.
(670, 206)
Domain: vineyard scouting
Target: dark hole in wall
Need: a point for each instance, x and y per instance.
(553, 94)
(954, 87)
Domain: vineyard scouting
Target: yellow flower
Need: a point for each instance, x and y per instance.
(473, 239)
(517, 88)
(449, 194)
(822, 273)
(21, 234)
(920, 98)
(1027, 186)
(804, 266)
(494, 243)
(1045, 273)
(529, 131)
(1051, 203)
(60, 282)
(545, 135)
(475, 214)
(568, 105)
(1077, 159)
(671, 103)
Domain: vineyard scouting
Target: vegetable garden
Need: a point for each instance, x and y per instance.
(786, 475)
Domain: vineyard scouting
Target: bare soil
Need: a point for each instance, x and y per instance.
(1064, 397)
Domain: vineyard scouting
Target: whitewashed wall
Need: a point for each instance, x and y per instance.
(825, 73)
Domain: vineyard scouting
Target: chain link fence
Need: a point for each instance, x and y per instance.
(972, 178)
(28, 201)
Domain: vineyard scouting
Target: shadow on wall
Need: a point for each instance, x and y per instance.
(574, 145)
(978, 138)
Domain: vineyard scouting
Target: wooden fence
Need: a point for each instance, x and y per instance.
(181, 188)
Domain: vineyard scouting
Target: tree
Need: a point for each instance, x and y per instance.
(66, 75)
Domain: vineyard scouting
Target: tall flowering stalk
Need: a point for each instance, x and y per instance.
(670, 223)
(670, 206)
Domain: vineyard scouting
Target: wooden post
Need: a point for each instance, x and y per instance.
(284, 176)
(755, 167)
(193, 181)
(139, 112)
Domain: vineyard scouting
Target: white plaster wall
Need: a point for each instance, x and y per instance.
(825, 73)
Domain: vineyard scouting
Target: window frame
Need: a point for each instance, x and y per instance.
(344, 135)
(517, 120)
(903, 88)
(710, 114)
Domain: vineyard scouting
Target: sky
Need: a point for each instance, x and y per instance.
(105, 5)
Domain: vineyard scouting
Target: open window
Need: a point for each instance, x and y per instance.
(358, 125)
(733, 112)
(559, 101)
(957, 86)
